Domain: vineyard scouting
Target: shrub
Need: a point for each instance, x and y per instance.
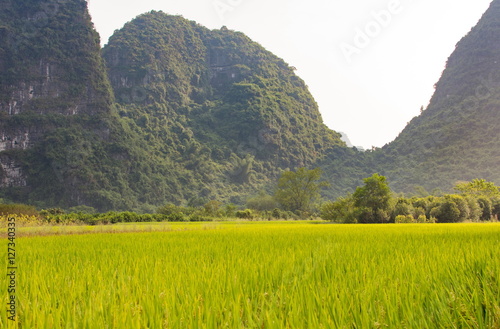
(128, 217)
(404, 219)
(474, 207)
(447, 212)
(341, 211)
(52, 211)
(495, 211)
(418, 212)
(18, 209)
(146, 218)
(402, 207)
(230, 210)
(245, 214)
(168, 209)
(212, 208)
(462, 206)
(262, 202)
(198, 217)
(486, 207)
(177, 217)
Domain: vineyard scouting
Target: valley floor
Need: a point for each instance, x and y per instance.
(257, 275)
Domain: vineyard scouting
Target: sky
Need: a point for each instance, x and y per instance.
(370, 64)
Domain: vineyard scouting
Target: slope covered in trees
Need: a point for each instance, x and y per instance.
(199, 114)
(170, 111)
(233, 114)
(456, 138)
(235, 97)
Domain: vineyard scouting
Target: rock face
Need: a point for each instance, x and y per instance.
(52, 56)
(11, 174)
(50, 65)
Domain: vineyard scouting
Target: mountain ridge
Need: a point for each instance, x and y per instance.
(170, 111)
(455, 137)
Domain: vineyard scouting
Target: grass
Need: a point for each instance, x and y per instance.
(262, 275)
(46, 230)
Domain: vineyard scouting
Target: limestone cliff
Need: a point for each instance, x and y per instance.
(50, 68)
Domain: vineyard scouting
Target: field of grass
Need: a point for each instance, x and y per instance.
(261, 275)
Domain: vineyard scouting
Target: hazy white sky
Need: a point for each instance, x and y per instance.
(370, 64)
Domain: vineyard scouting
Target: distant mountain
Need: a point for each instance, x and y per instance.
(229, 111)
(233, 95)
(199, 114)
(170, 111)
(457, 136)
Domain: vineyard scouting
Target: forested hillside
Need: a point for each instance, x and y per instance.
(170, 111)
(199, 115)
(457, 137)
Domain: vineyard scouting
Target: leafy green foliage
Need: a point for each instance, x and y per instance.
(233, 114)
(298, 191)
(262, 202)
(456, 138)
(340, 211)
(478, 187)
(373, 203)
(205, 115)
(52, 46)
(18, 209)
(373, 200)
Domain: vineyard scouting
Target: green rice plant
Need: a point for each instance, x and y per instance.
(262, 275)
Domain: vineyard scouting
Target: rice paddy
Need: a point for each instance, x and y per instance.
(261, 275)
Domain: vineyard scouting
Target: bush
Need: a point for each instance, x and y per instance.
(495, 211)
(245, 214)
(474, 207)
(418, 212)
(52, 211)
(169, 209)
(404, 219)
(366, 215)
(146, 218)
(18, 209)
(212, 208)
(230, 210)
(340, 211)
(262, 202)
(128, 217)
(486, 206)
(462, 206)
(177, 217)
(402, 207)
(447, 212)
(198, 217)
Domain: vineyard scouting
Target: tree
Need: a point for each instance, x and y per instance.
(446, 212)
(262, 202)
(478, 187)
(212, 208)
(340, 211)
(297, 191)
(373, 200)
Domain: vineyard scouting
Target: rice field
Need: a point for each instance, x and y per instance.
(261, 275)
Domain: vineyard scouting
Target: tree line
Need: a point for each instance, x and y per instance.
(374, 202)
(297, 195)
